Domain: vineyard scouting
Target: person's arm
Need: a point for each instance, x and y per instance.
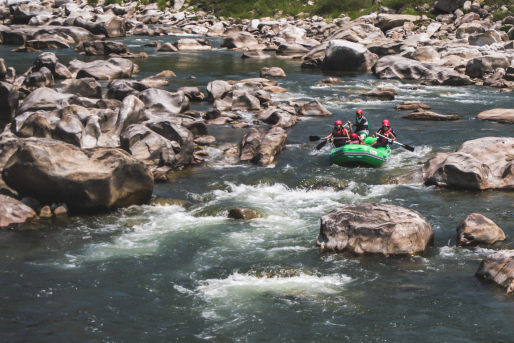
(361, 141)
(350, 129)
(392, 135)
(329, 136)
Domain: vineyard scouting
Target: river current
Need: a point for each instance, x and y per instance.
(181, 271)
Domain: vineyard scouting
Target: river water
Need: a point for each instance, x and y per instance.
(183, 272)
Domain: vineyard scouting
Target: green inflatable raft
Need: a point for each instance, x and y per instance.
(355, 154)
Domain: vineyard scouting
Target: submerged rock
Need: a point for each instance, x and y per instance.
(498, 268)
(421, 114)
(477, 229)
(374, 229)
(243, 214)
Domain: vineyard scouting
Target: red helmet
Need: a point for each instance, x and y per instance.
(338, 122)
(385, 122)
(359, 111)
(354, 136)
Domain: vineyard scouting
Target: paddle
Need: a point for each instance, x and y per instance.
(405, 146)
(325, 141)
(322, 144)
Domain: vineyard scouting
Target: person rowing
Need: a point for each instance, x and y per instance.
(385, 131)
(355, 139)
(361, 124)
(339, 132)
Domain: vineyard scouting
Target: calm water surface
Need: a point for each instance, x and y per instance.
(188, 274)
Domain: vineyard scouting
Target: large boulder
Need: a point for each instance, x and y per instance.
(500, 115)
(374, 229)
(479, 164)
(113, 68)
(157, 100)
(477, 229)
(348, 56)
(217, 89)
(148, 146)
(239, 40)
(193, 44)
(389, 21)
(498, 268)
(238, 100)
(9, 100)
(86, 180)
(99, 48)
(180, 136)
(397, 67)
(23, 13)
(45, 99)
(249, 144)
(21, 34)
(109, 25)
(14, 212)
(479, 66)
(271, 144)
(448, 5)
(86, 87)
(313, 108)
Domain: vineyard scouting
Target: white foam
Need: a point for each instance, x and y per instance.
(244, 285)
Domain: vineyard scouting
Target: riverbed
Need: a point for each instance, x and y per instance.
(181, 271)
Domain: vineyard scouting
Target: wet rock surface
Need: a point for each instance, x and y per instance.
(477, 229)
(498, 268)
(374, 229)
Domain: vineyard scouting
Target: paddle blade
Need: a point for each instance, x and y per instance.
(321, 145)
(314, 138)
(408, 147)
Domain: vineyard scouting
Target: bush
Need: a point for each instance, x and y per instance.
(92, 2)
(500, 15)
(505, 28)
(161, 4)
(112, 2)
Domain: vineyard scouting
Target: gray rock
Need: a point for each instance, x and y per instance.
(86, 87)
(86, 180)
(498, 268)
(348, 56)
(249, 144)
(374, 229)
(271, 144)
(478, 164)
(477, 229)
(158, 100)
(9, 101)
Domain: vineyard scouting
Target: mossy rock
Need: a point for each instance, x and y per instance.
(311, 184)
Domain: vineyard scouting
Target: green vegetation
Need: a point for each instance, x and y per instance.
(500, 15)
(112, 2)
(161, 4)
(505, 28)
(326, 8)
(92, 2)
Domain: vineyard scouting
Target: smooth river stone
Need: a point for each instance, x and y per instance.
(374, 229)
(501, 115)
(477, 229)
(429, 115)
